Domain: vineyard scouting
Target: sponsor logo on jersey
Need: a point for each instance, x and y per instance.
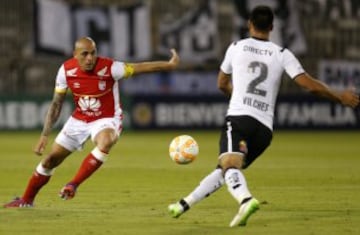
(71, 72)
(90, 106)
(102, 72)
(257, 50)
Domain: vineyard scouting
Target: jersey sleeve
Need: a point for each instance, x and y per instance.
(226, 66)
(291, 64)
(121, 70)
(61, 84)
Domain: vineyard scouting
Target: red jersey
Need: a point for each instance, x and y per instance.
(96, 92)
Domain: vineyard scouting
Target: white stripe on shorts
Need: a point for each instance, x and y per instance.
(229, 138)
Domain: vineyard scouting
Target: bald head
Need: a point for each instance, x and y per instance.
(84, 42)
(85, 53)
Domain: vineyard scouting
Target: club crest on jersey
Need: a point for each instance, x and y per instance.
(102, 72)
(102, 85)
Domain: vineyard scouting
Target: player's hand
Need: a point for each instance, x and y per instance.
(350, 98)
(41, 145)
(175, 59)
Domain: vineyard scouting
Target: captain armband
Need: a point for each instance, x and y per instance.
(129, 70)
(60, 90)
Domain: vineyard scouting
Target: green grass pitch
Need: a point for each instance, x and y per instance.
(308, 184)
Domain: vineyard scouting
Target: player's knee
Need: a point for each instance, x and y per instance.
(106, 143)
(51, 162)
(105, 140)
(231, 160)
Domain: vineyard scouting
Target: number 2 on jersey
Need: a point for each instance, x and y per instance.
(252, 88)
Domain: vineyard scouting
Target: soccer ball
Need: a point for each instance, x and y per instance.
(183, 149)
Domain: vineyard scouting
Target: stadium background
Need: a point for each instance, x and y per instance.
(307, 181)
(37, 36)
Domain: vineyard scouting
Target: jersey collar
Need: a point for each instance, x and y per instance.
(261, 39)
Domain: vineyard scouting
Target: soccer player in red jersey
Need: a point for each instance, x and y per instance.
(93, 81)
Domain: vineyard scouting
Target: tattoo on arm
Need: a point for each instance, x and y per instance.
(53, 113)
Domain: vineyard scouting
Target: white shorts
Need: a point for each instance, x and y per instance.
(75, 132)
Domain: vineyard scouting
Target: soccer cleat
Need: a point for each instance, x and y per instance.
(245, 211)
(175, 210)
(18, 203)
(68, 191)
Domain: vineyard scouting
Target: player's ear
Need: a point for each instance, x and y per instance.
(75, 53)
(271, 27)
(248, 24)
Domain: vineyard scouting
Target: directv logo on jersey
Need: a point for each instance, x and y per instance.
(257, 51)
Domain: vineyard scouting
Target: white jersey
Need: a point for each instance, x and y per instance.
(256, 66)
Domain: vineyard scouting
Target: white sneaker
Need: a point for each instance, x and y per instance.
(245, 211)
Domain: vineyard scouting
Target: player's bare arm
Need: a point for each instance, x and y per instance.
(224, 83)
(51, 117)
(346, 97)
(155, 66)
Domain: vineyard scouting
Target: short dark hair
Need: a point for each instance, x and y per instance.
(262, 18)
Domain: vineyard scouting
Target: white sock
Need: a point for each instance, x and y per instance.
(43, 171)
(236, 184)
(99, 155)
(207, 186)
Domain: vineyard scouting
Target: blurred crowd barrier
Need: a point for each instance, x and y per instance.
(37, 36)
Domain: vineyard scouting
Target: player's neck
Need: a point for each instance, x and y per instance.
(260, 35)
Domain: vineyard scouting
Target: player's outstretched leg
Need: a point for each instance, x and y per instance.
(211, 183)
(39, 178)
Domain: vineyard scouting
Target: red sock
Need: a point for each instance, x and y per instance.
(87, 168)
(36, 182)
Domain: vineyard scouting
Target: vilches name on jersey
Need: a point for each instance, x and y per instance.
(262, 106)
